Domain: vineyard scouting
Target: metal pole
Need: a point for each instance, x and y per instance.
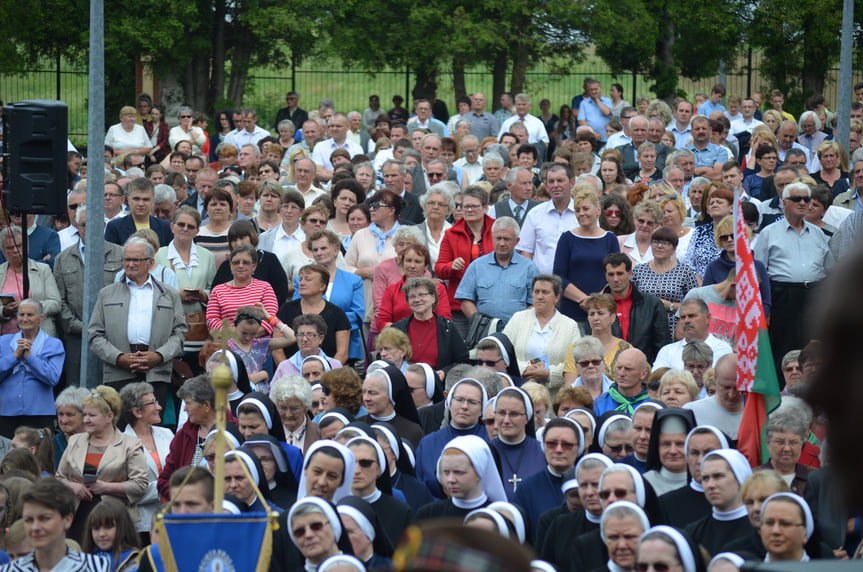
(843, 125)
(634, 87)
(749, 71)
(58, 75)
(25, 253)
(294, 77)
(723, 77)
(94, 249)
(408, 88)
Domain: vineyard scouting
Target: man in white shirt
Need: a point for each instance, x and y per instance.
(724, 409)
(424, 119)
(69, 235)
(304, 176)
(695, 316)
(471, 163)
(544, 224)
(680, 126)
(622, 137)
(534, 125)
(747, 121)
(337, 129)
(250, 133)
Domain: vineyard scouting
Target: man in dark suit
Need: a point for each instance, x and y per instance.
(629, 151)
(394, 179)
(141, 198)
(519, 181)
(430, 150)
(205, 182)
(292, 111)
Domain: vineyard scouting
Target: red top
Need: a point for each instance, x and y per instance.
(458, 243)
(423, 337)
(624, 305)
(225, 300)
(394, 306)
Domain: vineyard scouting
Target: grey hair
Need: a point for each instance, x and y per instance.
(513, 173)
(697, 351)
(488, 378)
(286, 124)
(619, 511)
(702, 306)
(795, 406)
(257, 151)
(137, 240)
(675, 157)
(33, 302)
(390, 162)
(798, 186)
(469, 136)
(522, 97)
(407, 231)
(411, 153)
(366, 164)
(457, 373)
(788, 420)
(590, 464)
(165, 193)
(307, 508)
(500, 150)
(697, 180)
(5, 236)
(185, 109)
(290, 386)
(667, 171)
(444, 189)
(132, 397)
(420, 282)
(806, 115)
(72, 397)
(618, 426)
(81, 214)
(353, 114)
(587, 346)
(493, 158)
(134, 172)
(506, 223)
(463, 123)
(198, 389)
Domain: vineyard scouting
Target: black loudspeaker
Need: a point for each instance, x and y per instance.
(34, 163)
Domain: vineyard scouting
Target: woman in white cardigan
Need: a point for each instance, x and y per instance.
(541, 335)
(142, 412)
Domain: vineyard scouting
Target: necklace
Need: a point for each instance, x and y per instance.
(514, 480)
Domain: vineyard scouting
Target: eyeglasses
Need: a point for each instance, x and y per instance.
(488, 362)
(587, 362)
(185, 225)
(566, 446)
(154, 403)
(658, 566)
(792, 368)
(798, 198)
(366, 463)
(73, 207)
(471, 207)
(113, 195)
(725, 237)
(418, 297)
(782, 443)
(134, 260)
(293, 410)
(436, 204)
(185, 117)
(659, 242)
(462, 401)
(300, 531)
(307, 334)
(616, 449)
(618, 493)
(610, 213)
(379, 205)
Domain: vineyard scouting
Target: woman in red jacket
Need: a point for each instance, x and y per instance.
(467, 240)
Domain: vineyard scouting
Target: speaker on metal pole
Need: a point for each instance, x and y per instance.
(34, 165)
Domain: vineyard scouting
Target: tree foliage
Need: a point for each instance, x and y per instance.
(664, 39)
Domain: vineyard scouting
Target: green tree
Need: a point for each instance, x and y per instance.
(664, 39)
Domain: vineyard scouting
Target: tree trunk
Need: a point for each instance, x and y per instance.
(458, 83)
(195, 84)
(216, 89)
(665, 72)
(498, 78)
(521, 55)
(426, 81)
(816, 60)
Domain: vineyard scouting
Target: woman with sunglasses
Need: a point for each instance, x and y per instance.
(615, 214)
(665, 549)
(317, 532)
(702, 248)
(582, 364)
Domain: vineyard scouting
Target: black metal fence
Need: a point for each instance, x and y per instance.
(350, 89)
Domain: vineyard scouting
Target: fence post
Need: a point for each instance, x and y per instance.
(408, 87)
(58, 75)
(749, 71)
(294, 75)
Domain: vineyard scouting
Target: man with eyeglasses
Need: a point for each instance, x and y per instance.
(69, 275)
(432, 170)
(465, 402)
(562, 441)
(69, 235)
(471, 162)
(141, 195)
(695, 317)
(138, 326)
(797, 257)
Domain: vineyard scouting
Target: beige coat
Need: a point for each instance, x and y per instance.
(123, 462)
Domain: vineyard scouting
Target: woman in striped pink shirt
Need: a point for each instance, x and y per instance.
(243, 290)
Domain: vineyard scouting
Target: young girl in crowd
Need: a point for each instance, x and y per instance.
(254, 351)
(111, 534)
(41, 444)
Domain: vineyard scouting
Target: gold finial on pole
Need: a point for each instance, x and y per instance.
(221, 378)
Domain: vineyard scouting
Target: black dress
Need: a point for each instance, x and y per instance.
(561, 533)
(683, 506)
(335, 317)
(446, 509)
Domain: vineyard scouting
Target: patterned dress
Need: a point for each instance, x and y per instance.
(672, 285)
(702, 249)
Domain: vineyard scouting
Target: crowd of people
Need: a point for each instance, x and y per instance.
(524, 324)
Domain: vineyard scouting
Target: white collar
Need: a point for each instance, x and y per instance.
(470, 503)
(734, 514)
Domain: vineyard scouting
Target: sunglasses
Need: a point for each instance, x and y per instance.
(587, 362)
(488, 362)
(618, 493)
(658, 566)
(616, 449)
(566, 446)
(325, 389)
(366, 463)
(378, 205)
(300, 531)
(726, 237)
(612, 213)
(798, 198)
